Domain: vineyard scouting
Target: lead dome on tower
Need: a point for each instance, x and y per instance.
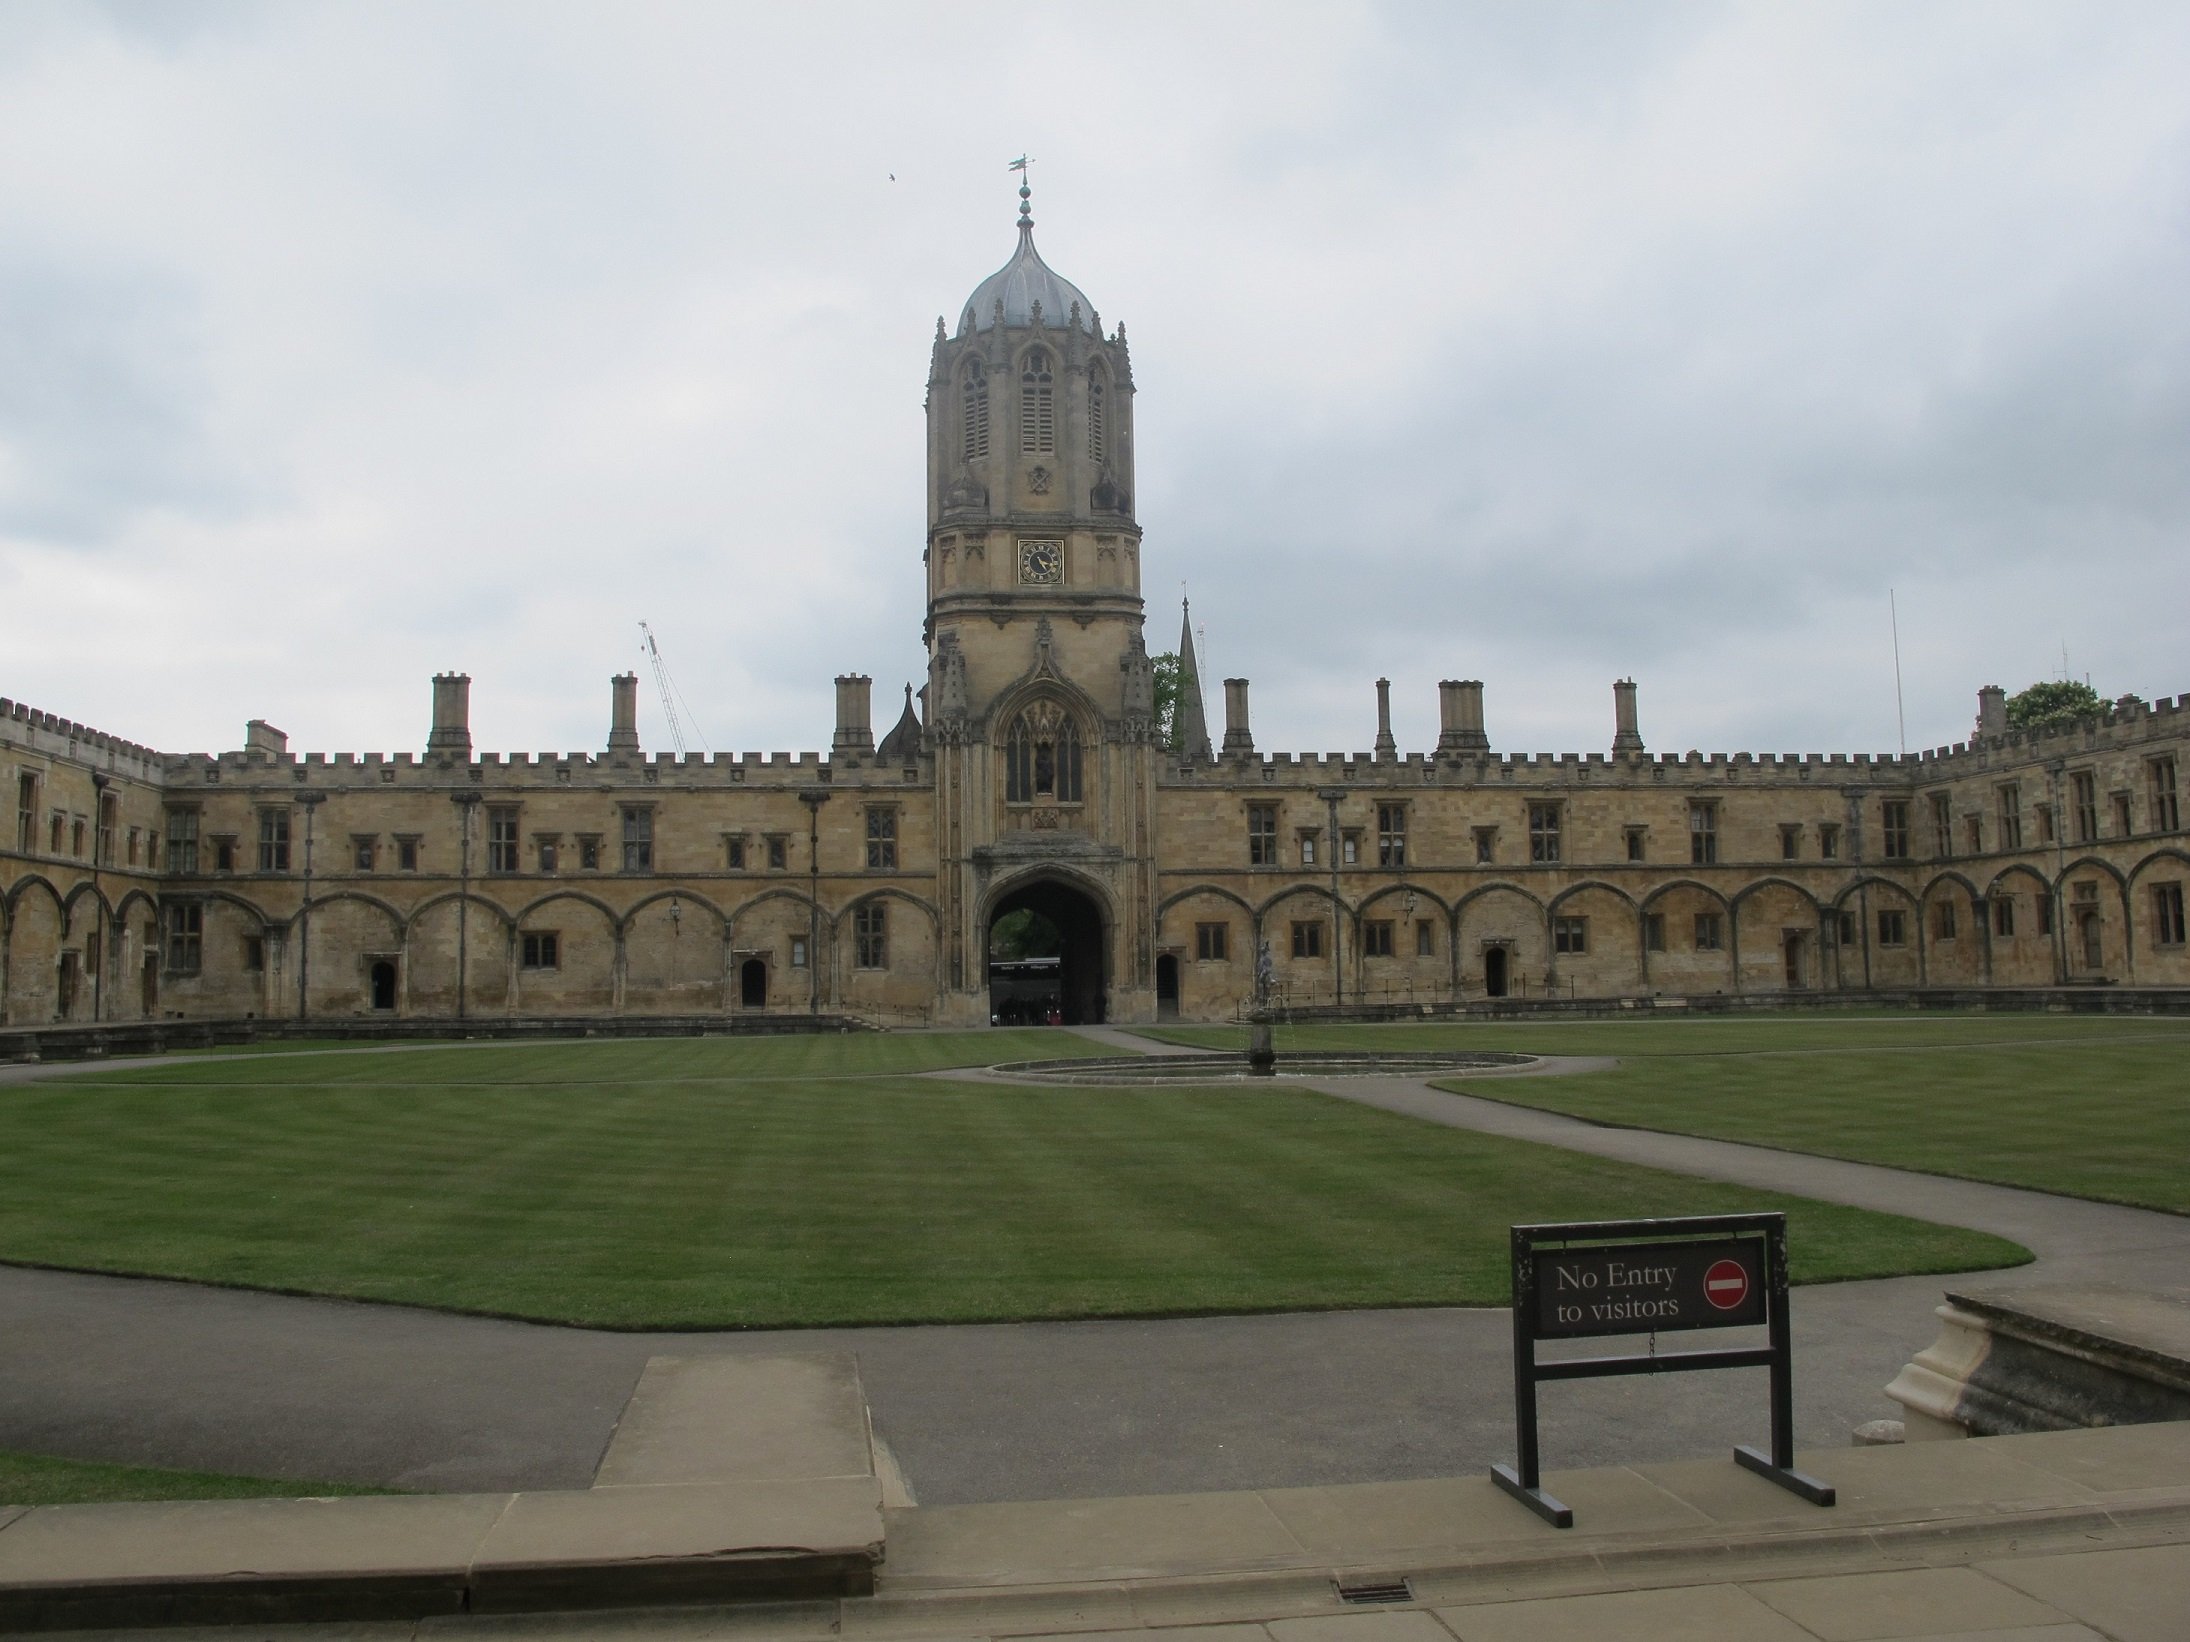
(1021, 283)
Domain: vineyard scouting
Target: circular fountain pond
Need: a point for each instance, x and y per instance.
(1233, 1068)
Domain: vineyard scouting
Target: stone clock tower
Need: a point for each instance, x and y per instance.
(1040, 692)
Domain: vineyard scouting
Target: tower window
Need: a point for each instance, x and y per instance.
(1037, 407)
(974, 407)
(273, 840)
(502, 839)
(1391, 835)
(1042, 757)
(1543, 833)
(1703, 832)
(881, 838)
(638, 838)
(1097, 443)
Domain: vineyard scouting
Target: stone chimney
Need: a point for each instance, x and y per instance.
(1460, 717)
(1386, 747)
(1238, 738)
(1626, 737)
(623, 713)
(261, 737)
(1992, 711)
(854, 714)
(451, 734)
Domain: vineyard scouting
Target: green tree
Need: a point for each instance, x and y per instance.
(1167, 694)
(2053, 702)
(1024, 934)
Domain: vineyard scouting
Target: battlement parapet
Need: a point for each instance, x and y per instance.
(49, 733)
(258, 769)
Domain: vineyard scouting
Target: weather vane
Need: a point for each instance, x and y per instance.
(1026, 194)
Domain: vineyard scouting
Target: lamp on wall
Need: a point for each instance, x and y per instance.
(676, 919)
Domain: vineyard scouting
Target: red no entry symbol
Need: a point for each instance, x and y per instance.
(1726, 1284)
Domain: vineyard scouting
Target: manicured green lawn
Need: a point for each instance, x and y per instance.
(38, 1479)
(754, 1183)
(2089, 1107)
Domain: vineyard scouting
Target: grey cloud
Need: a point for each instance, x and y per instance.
(103, 402)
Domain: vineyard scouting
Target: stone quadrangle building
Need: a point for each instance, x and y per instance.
(140, 885)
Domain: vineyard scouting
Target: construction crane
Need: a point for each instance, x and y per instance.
(669, 692)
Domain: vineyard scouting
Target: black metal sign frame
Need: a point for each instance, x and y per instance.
(1733, 1250)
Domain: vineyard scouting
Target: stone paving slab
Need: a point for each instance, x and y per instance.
(1912, 1602)
(2118, 1459)
(1117, 1539)
(1710, 1614)
(741, 1419)
(2138, 1595)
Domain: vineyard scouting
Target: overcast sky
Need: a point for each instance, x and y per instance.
(1543, 344)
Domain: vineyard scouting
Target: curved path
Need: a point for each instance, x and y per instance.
(175, 1374)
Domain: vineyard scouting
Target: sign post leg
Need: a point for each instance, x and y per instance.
(1779, 1466)
(1525, 1484)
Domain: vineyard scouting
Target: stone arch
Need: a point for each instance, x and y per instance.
(1086, 917)
(1163, 906)
(435, 903)
(32, 937)
(448, 933)
(133, 897)
(1209, 988)
(28, 882)
(1853, 889)
(905, 980)
(1586, 885)
(1609, 932)
(797, 897)
(607, 912)
(2165, 964)
(1405, 887)
(78, 892)
(2022, 953)
(350, 930)
(1695, 884)
(1306, 977)
(1774, 880)
(2023, 869)
(2098, 863)
(675, 960)
(2098, 935)
(2166, 852)
(1957, 945)
(1687, 915)
(1777, 936)
(682, 897)
(1511, 922)
(1037, 685)
(582, 980)
(776, 927)
(1868, 959)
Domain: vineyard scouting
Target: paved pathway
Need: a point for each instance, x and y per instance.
(170, 1373)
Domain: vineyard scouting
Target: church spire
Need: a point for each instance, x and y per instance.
(1189, 727)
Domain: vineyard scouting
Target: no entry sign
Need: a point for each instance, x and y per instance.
(1648, 1288)
(1727, 1285)
(1652, 1277)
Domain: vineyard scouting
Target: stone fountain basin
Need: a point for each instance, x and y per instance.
(1227, 1067)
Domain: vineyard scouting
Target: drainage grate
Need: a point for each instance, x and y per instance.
(1373, 1589)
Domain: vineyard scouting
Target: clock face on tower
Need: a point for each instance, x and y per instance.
(1041, 563)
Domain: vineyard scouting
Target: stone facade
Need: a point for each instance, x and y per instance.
(138, 885)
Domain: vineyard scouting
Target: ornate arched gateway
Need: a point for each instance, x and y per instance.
(1053, 954)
